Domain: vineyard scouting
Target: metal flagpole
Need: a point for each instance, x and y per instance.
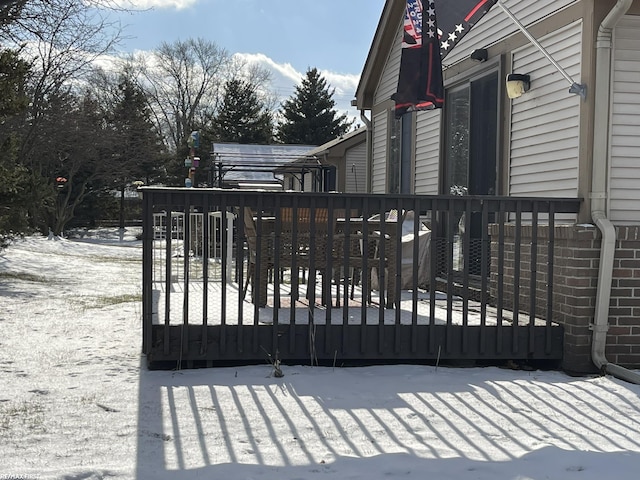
(578, 89)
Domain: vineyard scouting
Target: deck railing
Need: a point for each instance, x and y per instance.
(220, 265)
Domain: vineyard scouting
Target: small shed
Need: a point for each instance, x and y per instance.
(344, 161)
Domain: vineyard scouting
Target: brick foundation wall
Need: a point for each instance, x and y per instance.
(623, 339)
(575, 279)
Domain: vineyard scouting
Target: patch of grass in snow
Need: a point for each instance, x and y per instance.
(88, 399)
(26, 277)
(107, 259)
(26, 414)
(99, 302)
(117, 299)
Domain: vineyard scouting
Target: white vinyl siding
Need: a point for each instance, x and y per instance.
(427, 152)
(544, 143)
(308, 183)
(379, 155)
(356, 169)
(625, 128)
(496, 25)
(389, 80)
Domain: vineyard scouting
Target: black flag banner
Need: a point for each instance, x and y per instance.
(429, 35)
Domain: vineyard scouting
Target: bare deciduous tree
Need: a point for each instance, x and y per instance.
(62, 39)
(183, 80)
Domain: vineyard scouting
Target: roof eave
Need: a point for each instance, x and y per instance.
(379, 51)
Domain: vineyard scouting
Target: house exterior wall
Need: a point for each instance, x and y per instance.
(389, 78)
(625, 129)
(493, 28)
(356, 169)
(495, 25)
(427, 152)
(547, 151)
(379, 153)
(308, 183)
(545, 123)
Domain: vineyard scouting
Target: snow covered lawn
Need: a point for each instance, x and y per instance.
(77, 402)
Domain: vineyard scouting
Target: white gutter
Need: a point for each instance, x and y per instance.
(602, 107)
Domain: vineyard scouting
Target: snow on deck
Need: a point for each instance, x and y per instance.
(243, 312)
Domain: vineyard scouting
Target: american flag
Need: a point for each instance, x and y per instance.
(429, 35)
(456, 18)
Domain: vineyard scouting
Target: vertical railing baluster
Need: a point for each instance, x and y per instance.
(500, 276)
(348, 274)
(397, 245)
(295, 268)
(167, 281)
(240, 275)
(277, 274)
(221, 205)
(147, 271)
(450, 238)
(277, 259)
(467, 254)
(397, 281)
(291, 236)
(533, 287)
(550, 276)
(484, 273)
(311, 283)
(365, 276)
(258, 273)
(516, 277)
(384, 281)
(186, 236)
(328, 276)
(205, 277)
(417, 224)
(434, 267)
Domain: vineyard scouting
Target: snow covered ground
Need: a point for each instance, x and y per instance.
(77, 402)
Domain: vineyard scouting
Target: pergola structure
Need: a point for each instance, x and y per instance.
(264, 166)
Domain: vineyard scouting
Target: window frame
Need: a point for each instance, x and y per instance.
(464, 81)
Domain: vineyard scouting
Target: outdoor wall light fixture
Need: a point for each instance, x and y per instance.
(479, 55)
(517, 84)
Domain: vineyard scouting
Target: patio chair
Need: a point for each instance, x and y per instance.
(304, 242)
(358, 256)
(297, 247)
(379, 262)
(251, 236)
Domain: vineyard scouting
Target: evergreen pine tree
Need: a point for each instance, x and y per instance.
(243, 116)
(309, 114)
(14, 185)
(139, 146)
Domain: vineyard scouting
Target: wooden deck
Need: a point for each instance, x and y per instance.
(194, 312)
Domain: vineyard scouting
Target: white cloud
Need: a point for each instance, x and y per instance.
(285, 78)
(283, 73)
(345, 84)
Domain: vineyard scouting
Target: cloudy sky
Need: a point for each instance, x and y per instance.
(286, 36)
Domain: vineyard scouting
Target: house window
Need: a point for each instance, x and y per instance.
(457, 141)
(471, 132)
(470, 153)
(400, 154)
